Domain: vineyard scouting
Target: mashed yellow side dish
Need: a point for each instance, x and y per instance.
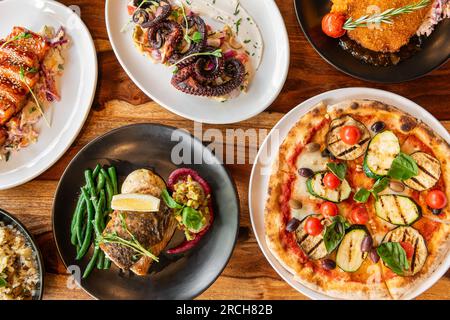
(18, 272)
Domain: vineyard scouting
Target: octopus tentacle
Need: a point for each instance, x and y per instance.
(167, 34)
(210, 67)
(195, 47)
(162, 13)
(186, 82)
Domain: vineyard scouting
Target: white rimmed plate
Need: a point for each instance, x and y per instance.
(154, 80)
(77, 88)
(259, 179)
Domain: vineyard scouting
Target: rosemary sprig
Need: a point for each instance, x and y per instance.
(217, 53)
(384, 17)
(132, 244)
(23, 35)
(22, 77)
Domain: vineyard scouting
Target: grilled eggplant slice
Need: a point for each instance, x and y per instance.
(429, 172)
(411, 235)
(317, 188)
(349, 256)
(382, 151)
(312, 246)
(341, 150)
(397, 209)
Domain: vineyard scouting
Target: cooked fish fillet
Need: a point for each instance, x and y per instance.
(391, 37)
(153, 230)
(24, 53)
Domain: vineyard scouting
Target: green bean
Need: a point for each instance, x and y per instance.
(109, 188)
(107, 264)
(73, 231)
(113, 176)
(100, 183)
(96, 171)
(101, 260)
(80, 225)
(90, 183)
(90, 216)
(99, 209)
(91, 263)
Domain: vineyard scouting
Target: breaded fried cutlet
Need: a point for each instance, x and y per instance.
(391, 37)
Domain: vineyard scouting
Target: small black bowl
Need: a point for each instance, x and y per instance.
(10, 220)
(174, 277)
(435, 50)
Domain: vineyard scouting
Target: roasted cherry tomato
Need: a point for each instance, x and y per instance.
(350, 135)
(332, 25)
(131, 9)
(359, 215)
(329, 209)
(436, 199)
(409, 249)
(331, 181)
(313, 226)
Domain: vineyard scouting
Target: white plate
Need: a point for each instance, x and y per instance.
(78, 85)
(154, 80)
(259, 178)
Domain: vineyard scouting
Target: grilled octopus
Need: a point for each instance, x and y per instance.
(197, 75)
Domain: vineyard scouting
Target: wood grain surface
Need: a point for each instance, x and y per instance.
(119, 102)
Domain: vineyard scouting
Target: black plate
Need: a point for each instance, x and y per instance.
(174, 277)
(10, 220)
(434, 53)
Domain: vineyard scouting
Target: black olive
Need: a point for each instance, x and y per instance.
(305, 172)
(327, 154)
(436, 211)
(292, 225)
(366, 244)
(378, 126)
(328, 264)
(140, 16)
(374, 255)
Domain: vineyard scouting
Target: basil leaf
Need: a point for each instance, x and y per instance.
(380, 185)
(403, 167)
(334, 233)
(394, 256)
(192, 219)
(362, 195)
(338, 169)
(172, 204)
(3, 282)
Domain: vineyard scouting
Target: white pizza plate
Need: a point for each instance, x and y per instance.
(77, 87)
(154, 79)
(259, 179)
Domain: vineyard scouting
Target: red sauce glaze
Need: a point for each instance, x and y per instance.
(426, 228)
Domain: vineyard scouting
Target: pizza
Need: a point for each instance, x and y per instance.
(357, 201)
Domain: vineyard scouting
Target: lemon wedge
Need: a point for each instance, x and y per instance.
(135, 202)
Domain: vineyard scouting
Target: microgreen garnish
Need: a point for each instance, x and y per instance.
(22, 77)
(217, 53)
(385, 16)
(23, 35)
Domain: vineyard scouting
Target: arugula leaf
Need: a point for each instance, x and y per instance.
(380, 185)
(362, 195)
(334, 233)
(3, 282)
(403, 167)
(338, 169)
(170, 202)
(394, 256)
(193, 219)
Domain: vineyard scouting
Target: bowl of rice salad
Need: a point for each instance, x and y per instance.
(21, 267)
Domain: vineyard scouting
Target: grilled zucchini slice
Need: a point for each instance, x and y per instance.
(382, 151)
(397, 209)
(429, 172)
(317, 189)
(411, 235)
(312, 246)
(341, 150)
(349, 256)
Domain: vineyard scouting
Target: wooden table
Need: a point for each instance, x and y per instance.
(119, 102)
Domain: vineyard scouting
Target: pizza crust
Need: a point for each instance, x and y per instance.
(282, 173)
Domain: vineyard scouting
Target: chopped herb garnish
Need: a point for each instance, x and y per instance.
(236, 10)
(22, 77)
(238, 24)
(247, 41)
(23, 35)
